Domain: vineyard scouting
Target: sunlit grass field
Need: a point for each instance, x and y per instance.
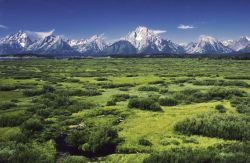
(78, 93)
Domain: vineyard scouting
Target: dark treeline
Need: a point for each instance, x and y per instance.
(237, 56)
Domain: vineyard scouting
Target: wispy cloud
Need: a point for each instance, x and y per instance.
(3, 26)
(184, 27)
(159, 31)
(39, 35)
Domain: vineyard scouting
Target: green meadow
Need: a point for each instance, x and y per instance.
(125, 110)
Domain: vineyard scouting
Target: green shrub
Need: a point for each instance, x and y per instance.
(163, 91)
(169, 141)
(167, 101)
(120, 97)
(27, 153)
(32, 92)
(148, 88)
(72, 80)
(242, 104)
(221, 83)
(124, 89)
(222, 93)
(218, 153)
(91, 92)
(32, 125)
(101, 79)
(48, 88)
(111, 103)
(36, 92)
(144, 104)
(112, 85)
(103, 139)
(7, 87)
(11, 120)
(144, 142)
(78, 137)
(190, 140)
(157, 82)
(238, 77)
(78, 106)
(217, 93)
(7, 105)
(233, 127)
(220, 108)
(99, 140)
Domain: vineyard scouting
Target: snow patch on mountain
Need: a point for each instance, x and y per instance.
(208, 45)
(240, 44)
(92, 45)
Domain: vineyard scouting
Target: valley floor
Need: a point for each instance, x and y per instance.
(125, 110)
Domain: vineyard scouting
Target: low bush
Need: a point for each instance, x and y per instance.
(220, 83)
(98, 140)
(32, 92)
(120, 97)
(103, 140)
(220, 108)
(237, 152)
(71, 92)
(31, 126)
(78, 137)
(148, 88)
(27, 153)
(7, 105)
(167, 101)
(144, 142)
(111, 103)
(101, 79)
(112, 85)
(238, 77)
(7, 87)
(190, 140)
(157, 82)
(144, 104)
(166, 142)
(222, 93)
(242, 104)
(91, 92)
(217, 93)
(48, 88)
(232, 127)
(72, 80)
(36, 92)
(12, 120)
(163, 91)
(79, 106)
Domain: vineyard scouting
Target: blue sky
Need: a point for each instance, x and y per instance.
(224, 19)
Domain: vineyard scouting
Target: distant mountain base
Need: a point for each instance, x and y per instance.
(77, 56)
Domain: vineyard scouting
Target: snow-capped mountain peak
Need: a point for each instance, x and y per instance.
(142, 37)
(148, 41)
(245, 38)
(228, 42)
(140, 41)
(98, 40)
(92, 45)
(208, 45)
(240, 44)
(20, 38)
(207, 39)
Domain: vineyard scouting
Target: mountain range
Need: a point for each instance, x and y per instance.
(138, 42)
